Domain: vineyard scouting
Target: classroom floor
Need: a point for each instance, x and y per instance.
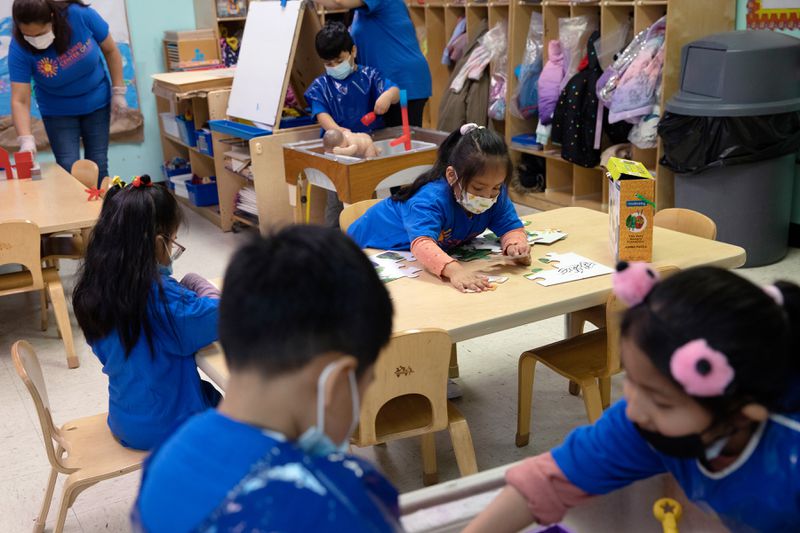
(488, 380)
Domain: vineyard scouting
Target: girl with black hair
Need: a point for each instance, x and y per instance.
(454, 202)
(142, 324)
(60, 45)
(711, 396)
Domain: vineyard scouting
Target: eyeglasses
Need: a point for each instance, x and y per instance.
(179, 249)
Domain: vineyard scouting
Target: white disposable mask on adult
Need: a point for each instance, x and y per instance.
(41, 42)
(473, 203)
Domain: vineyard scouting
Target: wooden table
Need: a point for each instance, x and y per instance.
(427, 302)
(57, 202)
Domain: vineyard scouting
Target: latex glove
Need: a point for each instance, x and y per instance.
(382, 104)
(118, 101)
(27, 143)
(520, 253)
(464, 280)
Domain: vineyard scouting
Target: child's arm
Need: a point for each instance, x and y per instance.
(201, 286)
(437, 262)
(386, 99)
(506, 223)
(537, 490)
(326, 122)
(193, 322)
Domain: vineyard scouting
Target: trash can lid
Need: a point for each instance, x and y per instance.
(739, 73)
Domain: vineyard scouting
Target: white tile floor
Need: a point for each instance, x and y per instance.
(488, 370)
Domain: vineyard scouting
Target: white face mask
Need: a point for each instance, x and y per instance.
(314, 441)
(41, 42)
(472, 203)
(340, 71)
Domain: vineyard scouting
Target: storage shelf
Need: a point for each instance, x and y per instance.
(547, 154)
(210, 212)
(177, 141)
(245, 221)
(231, 19)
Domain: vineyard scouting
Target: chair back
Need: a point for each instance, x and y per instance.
(20, 243)
(409, 394)
(86, 171)
(30, 371)
(686, 221)
(353, 212)
(614, 312)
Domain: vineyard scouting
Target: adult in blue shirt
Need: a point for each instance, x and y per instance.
(59, 45)
(386, 40)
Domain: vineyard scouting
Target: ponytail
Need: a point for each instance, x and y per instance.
(467, 153)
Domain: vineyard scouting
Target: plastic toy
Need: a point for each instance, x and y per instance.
(369, 118)
(94, 193)
(24, 164)
(406, 137)
(668, 512)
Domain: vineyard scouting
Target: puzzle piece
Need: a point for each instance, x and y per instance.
(548, 236)
(469, 253)
(396, 256)
(568, 267)
(389, 270)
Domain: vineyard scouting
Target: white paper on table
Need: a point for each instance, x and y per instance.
(569, 267)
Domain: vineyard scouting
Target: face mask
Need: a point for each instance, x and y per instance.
(685, 447)
(340, 71)
(165, 270)
(41, 42)
(173, 255)
(474, 204)
(314, 441)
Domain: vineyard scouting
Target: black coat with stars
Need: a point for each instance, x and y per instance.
(575, 117)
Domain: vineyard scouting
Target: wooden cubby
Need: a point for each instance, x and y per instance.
(569, 184)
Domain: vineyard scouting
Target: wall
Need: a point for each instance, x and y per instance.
(147, 20)
(741, 24)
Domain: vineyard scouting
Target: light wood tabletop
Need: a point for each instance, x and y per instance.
(428, 302)
(57, 202)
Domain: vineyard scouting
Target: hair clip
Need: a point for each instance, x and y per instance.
(633, 282)
(118, 182)
(469, 128)
(774, 293)
(137, 182)
(700, 369)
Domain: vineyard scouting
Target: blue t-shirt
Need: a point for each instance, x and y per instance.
(386, 40)
(348, 100)
(75, 82)
(151, 393)
(758, 492)
(216, 472)
(432, 212)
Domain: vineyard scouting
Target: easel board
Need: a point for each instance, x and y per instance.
(274, 50)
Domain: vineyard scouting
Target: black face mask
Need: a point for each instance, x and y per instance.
(689, 446)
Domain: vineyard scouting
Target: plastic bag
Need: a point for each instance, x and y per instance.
(496, 41)
(525, 102)
(574, 33)
(694, 144)
(610, 44)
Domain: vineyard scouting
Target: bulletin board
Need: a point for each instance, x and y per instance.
(127, 129)
(773, 14)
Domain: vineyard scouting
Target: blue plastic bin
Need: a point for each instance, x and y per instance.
(204, 142)
(203, 194)
(175, 171)
(187, 131)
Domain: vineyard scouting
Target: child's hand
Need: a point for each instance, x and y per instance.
(464, 280)
(382, 104)
(520, 253)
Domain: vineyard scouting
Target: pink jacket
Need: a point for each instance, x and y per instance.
(549, 84)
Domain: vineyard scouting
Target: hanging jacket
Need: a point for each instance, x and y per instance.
(549, 83)
(471, 102)
(636, 93)
(575, 120)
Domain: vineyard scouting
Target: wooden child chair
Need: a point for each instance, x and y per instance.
(676, 219)
(588, 360)
(85, 171)
(84, 449)
(20, 245)
(353, 212)
(409, 398)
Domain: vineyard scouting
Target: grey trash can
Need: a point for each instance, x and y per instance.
(731, 134)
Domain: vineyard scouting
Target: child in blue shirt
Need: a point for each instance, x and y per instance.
(455, 201)
(346, 92)
(301, 339)
(342, 96)
(142, 324)
(710, 363)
